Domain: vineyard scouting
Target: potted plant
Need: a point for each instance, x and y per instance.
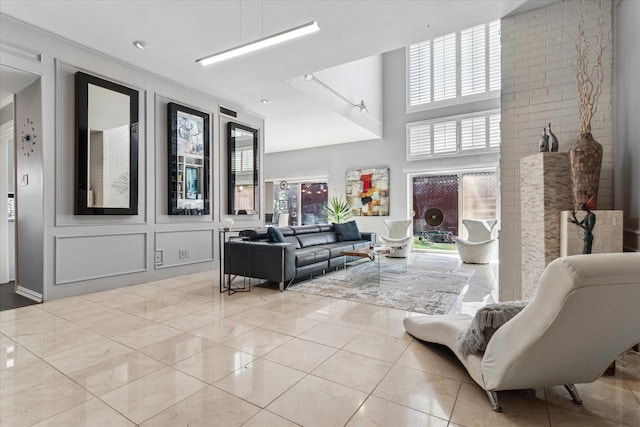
(337, 211)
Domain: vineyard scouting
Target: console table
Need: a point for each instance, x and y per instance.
(225, 282)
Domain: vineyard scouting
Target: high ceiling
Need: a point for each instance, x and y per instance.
(179, 32)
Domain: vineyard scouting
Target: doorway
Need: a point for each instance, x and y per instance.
(20, 155)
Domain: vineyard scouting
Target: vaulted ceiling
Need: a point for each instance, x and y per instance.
(179, 32)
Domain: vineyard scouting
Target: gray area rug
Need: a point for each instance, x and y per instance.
(428, 291)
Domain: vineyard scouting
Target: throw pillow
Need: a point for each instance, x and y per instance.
(347, 231)
(274, 235)
(485, 323)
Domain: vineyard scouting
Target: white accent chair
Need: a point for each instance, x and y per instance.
(482, 244)
(583, 315)
(398, 237)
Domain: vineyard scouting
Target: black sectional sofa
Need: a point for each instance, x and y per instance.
(307, 251)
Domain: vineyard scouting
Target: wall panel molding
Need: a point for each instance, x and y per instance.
(96, 256)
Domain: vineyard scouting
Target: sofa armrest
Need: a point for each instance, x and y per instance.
(369, 236)
(274, 262)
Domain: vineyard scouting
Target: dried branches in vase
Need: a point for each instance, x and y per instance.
(585, 157)
(588, 91)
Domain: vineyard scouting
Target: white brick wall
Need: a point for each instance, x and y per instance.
(538, 87)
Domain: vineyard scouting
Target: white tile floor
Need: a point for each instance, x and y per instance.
(177, 352)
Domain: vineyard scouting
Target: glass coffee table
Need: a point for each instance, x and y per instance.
(374, 254)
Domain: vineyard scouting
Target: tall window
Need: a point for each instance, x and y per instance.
(436, 77)
(468, 195)
(304, 202)
(454, 135)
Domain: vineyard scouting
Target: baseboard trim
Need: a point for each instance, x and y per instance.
(28, 293)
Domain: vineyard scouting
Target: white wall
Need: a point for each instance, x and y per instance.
(82, 254)
(335, 160)
(538, 87)
(626, 176)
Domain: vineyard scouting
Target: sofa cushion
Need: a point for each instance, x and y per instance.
(311, 255)
(315, 239)
(347, 231)
(275, 235)
(293, 240)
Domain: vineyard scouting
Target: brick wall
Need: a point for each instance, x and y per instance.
(538, 87)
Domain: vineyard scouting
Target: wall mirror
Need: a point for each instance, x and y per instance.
(242, 169)
(106, 147)
(188, 161)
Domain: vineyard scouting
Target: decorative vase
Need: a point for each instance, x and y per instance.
(543, 145)
(553, 141)
(585, 159)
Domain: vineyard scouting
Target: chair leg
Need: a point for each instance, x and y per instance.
(573, 391)
(493, 399)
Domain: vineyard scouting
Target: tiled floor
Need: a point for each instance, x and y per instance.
(176, 352)
(10, 299)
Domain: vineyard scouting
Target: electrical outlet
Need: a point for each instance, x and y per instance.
(158, 257)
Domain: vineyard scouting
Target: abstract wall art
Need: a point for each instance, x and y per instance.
(368, 191)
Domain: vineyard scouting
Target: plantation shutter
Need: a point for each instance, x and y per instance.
(420, 140)
(494, 130)
(420, 73)
(473, 133)
(444, 67)
(494, 55)
(472, 61)
(444, 137)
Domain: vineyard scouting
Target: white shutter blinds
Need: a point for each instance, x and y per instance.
(420, 73)
(420, 140)
(444, 137)
(494, 55)
(444, 67)
(473, 133)
(473, 60)
(494, 130)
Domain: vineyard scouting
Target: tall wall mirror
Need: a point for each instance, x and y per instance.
(242, 169)
(106, 147)
(188, 161)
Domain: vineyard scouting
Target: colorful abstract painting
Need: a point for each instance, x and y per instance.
(368, 191)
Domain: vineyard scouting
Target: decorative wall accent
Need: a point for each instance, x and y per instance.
(368, 191)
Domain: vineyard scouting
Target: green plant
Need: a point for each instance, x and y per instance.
(337, 210)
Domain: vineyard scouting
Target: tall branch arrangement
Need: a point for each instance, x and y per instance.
(587, 74)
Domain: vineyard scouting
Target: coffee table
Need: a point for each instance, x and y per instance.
(371, 253)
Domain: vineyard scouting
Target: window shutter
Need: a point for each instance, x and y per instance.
(444, 137)
(444, 67)
(494, 55)
(420, 73)
(473, 133)
(472, 61)
(494, 130)
(419, 140)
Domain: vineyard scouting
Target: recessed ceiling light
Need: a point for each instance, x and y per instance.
(309, 77)
(265, 101)
(142, 45)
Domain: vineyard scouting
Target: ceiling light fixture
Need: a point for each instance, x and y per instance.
(260, 44)
(265, 101)
(361, 106)
(142, 45)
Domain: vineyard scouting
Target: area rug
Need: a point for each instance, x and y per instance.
(429, 291)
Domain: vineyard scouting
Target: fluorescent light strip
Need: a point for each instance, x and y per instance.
(260, 44)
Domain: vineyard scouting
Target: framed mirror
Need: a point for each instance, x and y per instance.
(188, 161)
(242, 169)
(106, 147)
